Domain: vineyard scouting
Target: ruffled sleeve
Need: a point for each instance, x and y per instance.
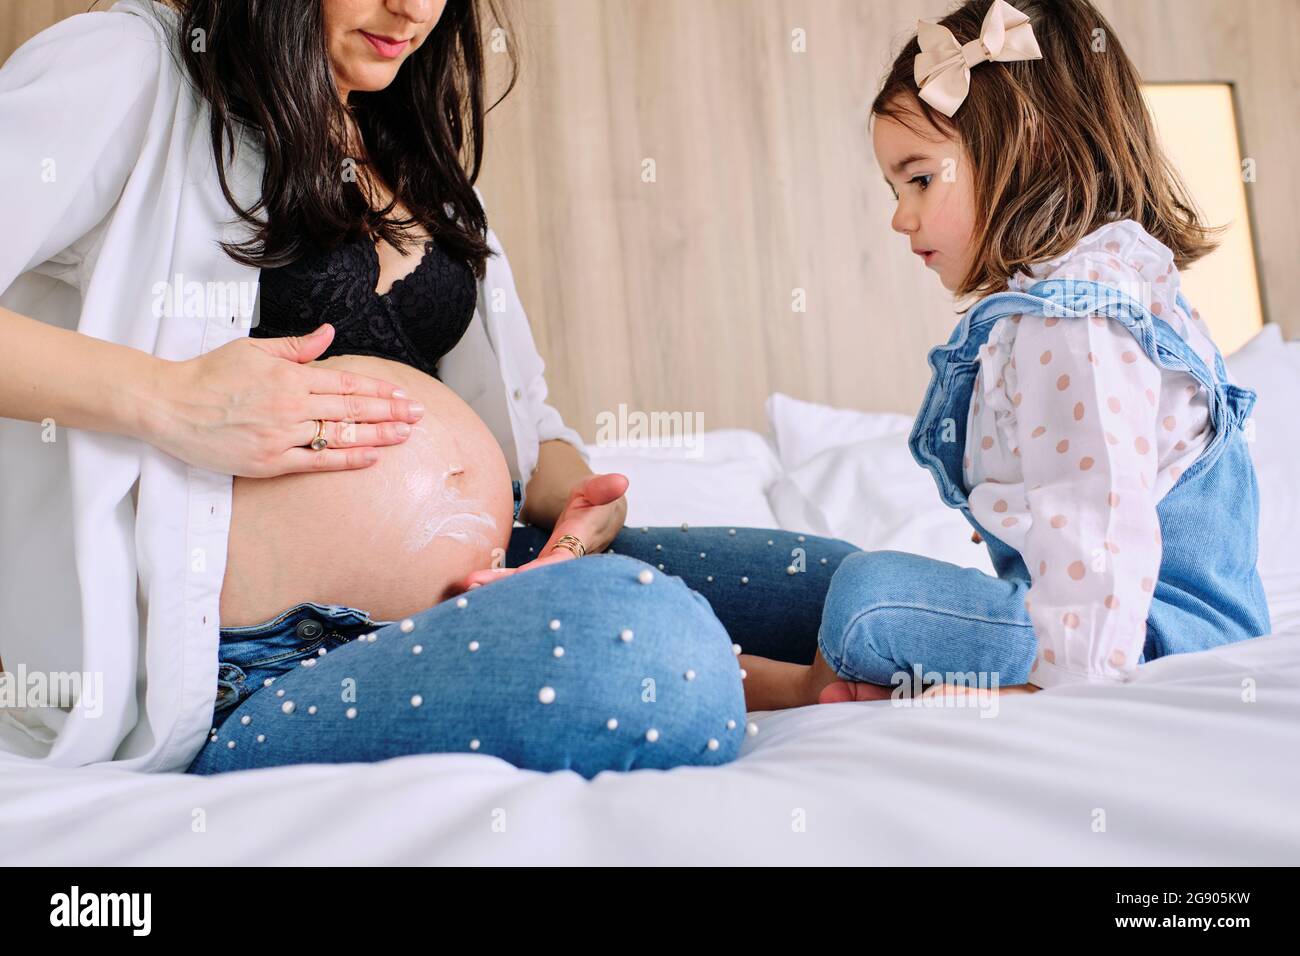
(1087, 398)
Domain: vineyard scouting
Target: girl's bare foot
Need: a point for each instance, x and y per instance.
(843, 691)
(772, 685)
(776, 685)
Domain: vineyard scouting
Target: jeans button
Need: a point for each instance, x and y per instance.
(309, 629)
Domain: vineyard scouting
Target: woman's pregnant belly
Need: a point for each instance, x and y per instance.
(389, 539)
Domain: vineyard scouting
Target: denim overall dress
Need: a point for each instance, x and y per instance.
(890, 611)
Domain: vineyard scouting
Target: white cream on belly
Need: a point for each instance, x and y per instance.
(439, 509)
(432, 505)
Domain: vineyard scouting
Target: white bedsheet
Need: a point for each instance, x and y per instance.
(1176, 765)
(1184, 770)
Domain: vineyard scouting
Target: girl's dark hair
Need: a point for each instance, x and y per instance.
(1057, 145)
(263, 64)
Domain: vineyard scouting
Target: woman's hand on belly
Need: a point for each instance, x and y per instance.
(391, 539)
(250, 408)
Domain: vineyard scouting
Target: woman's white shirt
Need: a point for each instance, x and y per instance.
(114, 552)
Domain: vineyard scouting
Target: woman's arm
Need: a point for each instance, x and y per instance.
(76, 380)
(560, 469)
(245, 408)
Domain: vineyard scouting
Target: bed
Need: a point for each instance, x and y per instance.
(1193, 762)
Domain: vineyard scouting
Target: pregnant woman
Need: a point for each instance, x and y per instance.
(294, 542)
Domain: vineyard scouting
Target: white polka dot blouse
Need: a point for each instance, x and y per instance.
(1073, 438)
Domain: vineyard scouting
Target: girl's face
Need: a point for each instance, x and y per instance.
(931, 179)
(362, 63)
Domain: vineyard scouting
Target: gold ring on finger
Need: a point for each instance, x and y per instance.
(320, 441)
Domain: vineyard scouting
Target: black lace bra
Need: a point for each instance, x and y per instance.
(416, 322)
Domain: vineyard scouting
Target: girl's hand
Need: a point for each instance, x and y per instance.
(594, 515)
(249, 408)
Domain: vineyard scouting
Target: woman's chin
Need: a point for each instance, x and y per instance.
(391, 539)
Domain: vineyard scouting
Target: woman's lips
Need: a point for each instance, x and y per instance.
(385, 46)
(925, 254)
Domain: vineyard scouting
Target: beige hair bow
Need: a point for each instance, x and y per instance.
(942, 68)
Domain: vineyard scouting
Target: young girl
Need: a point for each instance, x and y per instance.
(1080, 414)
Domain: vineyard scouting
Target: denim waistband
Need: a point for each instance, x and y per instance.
(253, 655)
(307, 620)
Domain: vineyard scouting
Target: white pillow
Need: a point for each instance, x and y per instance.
(1272, 368)
(804, 429)
(856, 479)
(725, 485)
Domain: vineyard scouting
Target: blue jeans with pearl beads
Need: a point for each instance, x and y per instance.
(610, 662)
(767, 587)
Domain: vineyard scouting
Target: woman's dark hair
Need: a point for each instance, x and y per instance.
(1057, 145)
(263, 64)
